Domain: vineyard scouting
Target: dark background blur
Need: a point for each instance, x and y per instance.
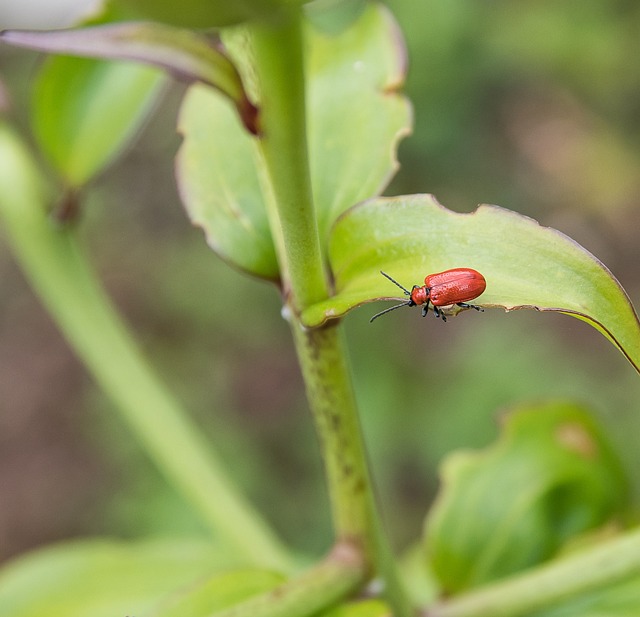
(533, 105)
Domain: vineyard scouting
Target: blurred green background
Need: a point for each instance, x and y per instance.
(533, 105)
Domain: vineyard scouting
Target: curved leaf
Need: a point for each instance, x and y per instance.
(550, 476)
(525, 265)
(85, 111)
(352, 138)
(103, 578)
(187, 55)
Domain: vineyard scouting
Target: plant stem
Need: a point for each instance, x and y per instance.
(278, 49)
(547, 585)
(60, 273)
(323, 358)
(279, 60)
(329, 581)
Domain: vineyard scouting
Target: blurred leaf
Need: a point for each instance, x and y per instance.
(185, 54)
(202, 13)
(352, 138)
(525, 265)
(86, 111)
(221, 591)
(103, 578)
(550, 476)
(418, 579)
(361, 608)
(618, 600)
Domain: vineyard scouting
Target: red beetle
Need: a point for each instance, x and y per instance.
(454, 286)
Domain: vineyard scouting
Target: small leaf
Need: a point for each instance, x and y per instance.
(103, 578)
(352, 140)
(185, 54)
(550, 476)
(525, 265)
(86, 111)
(419, 581)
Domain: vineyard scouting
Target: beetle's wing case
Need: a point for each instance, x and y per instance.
(455, 285)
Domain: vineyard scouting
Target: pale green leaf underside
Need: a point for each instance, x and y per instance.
(525, 265)
(187, 55)
(355, 118)
(85, 111)
(103, 578)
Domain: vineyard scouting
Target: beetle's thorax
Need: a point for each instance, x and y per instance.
(420, 295)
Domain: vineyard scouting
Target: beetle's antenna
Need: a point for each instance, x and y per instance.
(392, 308)
(406, 291)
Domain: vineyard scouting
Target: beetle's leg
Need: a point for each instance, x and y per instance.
(438, 313)
(473, 306)
(425, 309)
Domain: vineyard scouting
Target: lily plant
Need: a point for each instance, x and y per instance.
(290, 125)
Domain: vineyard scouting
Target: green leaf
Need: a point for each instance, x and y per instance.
(352, 139)
(418, 579)
(619, 600)
(550, 476)
(525, 265)
(219, 184)
(86, 111)
(362, 608)
(201, 13)
(187, 55)
(221, 591)
(103, 578)
(357, 115)
(585, 579)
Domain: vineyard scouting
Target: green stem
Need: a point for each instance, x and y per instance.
(279, 63)
(278, 49)
(547, 585)
(279, 60)
(342, 572)
(323, 358)
(68, 287)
